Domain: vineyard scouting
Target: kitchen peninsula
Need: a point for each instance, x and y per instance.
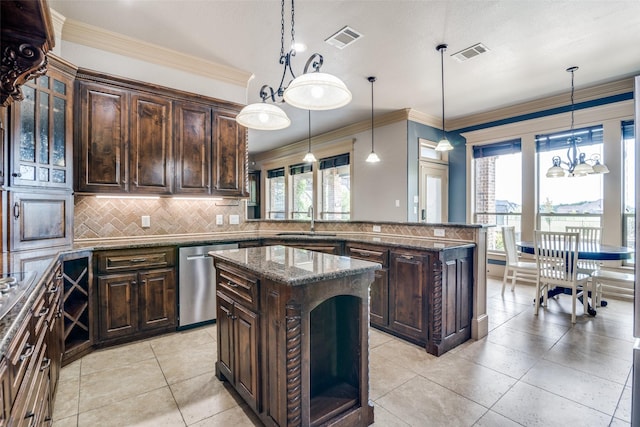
(293, 334)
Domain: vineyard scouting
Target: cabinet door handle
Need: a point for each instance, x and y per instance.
(138, 260)
(27, 353)
(29, 414)
(42, 312)
(45, 364)
(16, 210)
(231, 284)
(133, 282)
(234, 317)
(143, 282)
(16, 174)
(53, 290)
(407, 256)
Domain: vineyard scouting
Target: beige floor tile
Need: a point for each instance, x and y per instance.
(499, 317)
(598, 344)
(419, 400)
(616, 422)
(385, 375)
(532, 406)
(505, 360)
(67, 398)
(240, 416)
(475, 382)
(108, 386)
(384, 418)
(597, 364)
(492, 419)
(189, 363)
(377, 338)
(623, 411)
(152, 409)
(178, 342)
(116, 357)
(534, 345)
(202, 397)
(403, 353)
(581, 387)
(66, 422)
(605, 327)
(71, 371)
(527, 322)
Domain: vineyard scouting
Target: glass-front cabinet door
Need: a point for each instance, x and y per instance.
(41, 154)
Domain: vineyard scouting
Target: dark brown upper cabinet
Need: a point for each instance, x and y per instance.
(101, 158)
(140, 138)
(193, 141)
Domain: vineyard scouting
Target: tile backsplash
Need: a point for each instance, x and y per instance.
(112, 218)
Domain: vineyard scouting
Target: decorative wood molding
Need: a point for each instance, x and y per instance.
(21, 61)
(98, 38)
(294, 364)
(436, 314)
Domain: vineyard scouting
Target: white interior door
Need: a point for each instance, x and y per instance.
(434, 188)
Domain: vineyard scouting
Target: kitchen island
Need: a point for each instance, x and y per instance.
(293, 334)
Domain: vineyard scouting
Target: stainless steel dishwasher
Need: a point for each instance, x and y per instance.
(196, 286)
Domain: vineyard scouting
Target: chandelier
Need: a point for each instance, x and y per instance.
(577, 163)
(313, 90)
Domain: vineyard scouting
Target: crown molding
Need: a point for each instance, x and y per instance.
(560, 100)
(424, 118)
(99, 38)
(342, 133)
(58, 22)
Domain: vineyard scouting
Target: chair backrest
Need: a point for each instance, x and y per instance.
(557, 257)
(509, 241)
(587, 234)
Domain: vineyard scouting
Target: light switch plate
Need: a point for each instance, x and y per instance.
(219, 219)
(397, 203)
(234, 219)
(146, 221)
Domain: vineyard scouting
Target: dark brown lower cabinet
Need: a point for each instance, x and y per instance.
(136, 299)
(29, 370)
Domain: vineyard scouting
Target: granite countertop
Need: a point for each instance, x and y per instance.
(42, 261)
(293, 266)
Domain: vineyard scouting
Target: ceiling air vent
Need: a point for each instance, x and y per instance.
(344, 37)
(470, 52)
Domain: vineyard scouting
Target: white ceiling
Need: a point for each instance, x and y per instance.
(531, 44)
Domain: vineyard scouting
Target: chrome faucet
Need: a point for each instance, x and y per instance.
(311, 215)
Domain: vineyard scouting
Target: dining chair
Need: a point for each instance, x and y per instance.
(520, 270)
(590, 238)
(557, 263)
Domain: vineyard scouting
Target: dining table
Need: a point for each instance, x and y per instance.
(588, 251)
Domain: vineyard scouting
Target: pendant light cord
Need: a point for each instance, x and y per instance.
(372, 79)
(442, 48)
(309, 131)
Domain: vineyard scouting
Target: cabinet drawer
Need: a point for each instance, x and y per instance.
(112, 261)
(238, 284)
(378, 255)
(20, 352)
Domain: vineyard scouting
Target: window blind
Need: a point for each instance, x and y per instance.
(300, 168)
(275, 173)
(628, 130)
(557, 141)
(497, 149)
(335, 161)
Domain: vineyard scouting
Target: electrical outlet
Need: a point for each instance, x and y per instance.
(219, 219)
(234, 219)
(377, 229)
(397, 203)
(146, 221)
(438, 232)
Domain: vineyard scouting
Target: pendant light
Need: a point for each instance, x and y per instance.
(373, 157)
(577, 164)
(309, 157)
(443, 144)
(316, 90)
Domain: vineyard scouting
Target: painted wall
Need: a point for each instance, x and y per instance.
(457, 170)
(377, 186)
